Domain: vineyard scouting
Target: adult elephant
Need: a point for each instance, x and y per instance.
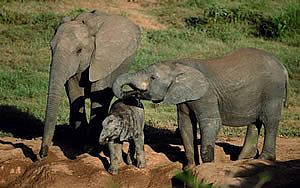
(246, 87)
(88, 53)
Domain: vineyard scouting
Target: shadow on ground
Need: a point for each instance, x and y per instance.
(19, 124)
(276, 174)
(25, 126)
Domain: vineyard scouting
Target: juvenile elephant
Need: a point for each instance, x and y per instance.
(88, 53)
(125, 122)
(246, 87)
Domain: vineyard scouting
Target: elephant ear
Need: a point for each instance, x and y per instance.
(125, 133)
(190, 84)
(92, 21)
(116, 41)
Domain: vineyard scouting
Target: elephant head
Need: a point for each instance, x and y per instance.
(171, 82)
(112, 129)
(94, 42)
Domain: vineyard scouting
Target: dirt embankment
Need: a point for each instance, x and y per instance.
(66, 167)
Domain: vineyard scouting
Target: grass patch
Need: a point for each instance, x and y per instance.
(200, 29)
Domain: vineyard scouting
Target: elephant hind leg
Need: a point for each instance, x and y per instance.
(131, 152)
(271, 118)
(250, 143)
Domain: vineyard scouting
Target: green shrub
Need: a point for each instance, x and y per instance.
(259, 24)
(17, 18)
(190, 180)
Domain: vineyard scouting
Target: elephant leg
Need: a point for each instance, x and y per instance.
(250, 144)
(209, 128)
(208, 116)
(115, 154)
(100, 101)
(139, 150)
(186, 132)
(131, 152)
(77, 104)
(270, 118)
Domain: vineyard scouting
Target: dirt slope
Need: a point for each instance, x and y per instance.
(19, 166)
(133, 10)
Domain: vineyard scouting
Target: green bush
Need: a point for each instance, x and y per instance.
(258, 23)
(17, 18)
(190, 180)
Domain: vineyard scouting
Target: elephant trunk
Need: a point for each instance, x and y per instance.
(123, 79)
(57, 80)
(137, 81)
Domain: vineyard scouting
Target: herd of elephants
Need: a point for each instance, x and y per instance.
(91, 56)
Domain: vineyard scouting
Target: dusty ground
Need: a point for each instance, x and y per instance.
(133, 10)
(67, 167)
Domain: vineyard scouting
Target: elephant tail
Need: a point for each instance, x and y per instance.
(286, 101)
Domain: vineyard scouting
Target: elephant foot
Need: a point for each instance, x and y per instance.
(113, 170)
(207, 154)
(141, 164)
(189, 167)
(129, 161)
(248, 153)
(44, 151)
(267, 156)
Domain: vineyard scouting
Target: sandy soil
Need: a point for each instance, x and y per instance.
(68, 167)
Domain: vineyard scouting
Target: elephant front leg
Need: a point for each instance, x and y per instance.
(77, 104)
(208, 116)
(209, 128)
(100, 101)
(115, 152)
(186, 132)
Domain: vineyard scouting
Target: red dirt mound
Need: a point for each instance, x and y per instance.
(20, 167)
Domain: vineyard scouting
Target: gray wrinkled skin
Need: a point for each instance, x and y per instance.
(88, 53)
(125, 122)
(245, 87)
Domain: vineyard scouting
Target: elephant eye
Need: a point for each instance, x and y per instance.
(79, 51)
(153, 77)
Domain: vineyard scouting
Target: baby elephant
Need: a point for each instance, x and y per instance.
(125, 122)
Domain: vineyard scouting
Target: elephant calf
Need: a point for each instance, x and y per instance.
(125, 122)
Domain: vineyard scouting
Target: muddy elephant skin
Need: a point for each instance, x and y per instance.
(125, 122)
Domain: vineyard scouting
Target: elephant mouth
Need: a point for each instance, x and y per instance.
(137, 93)
(131, 93)
(140, 94)
(104, 141)
(157, 101)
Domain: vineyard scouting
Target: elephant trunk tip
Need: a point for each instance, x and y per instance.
(44, 151)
